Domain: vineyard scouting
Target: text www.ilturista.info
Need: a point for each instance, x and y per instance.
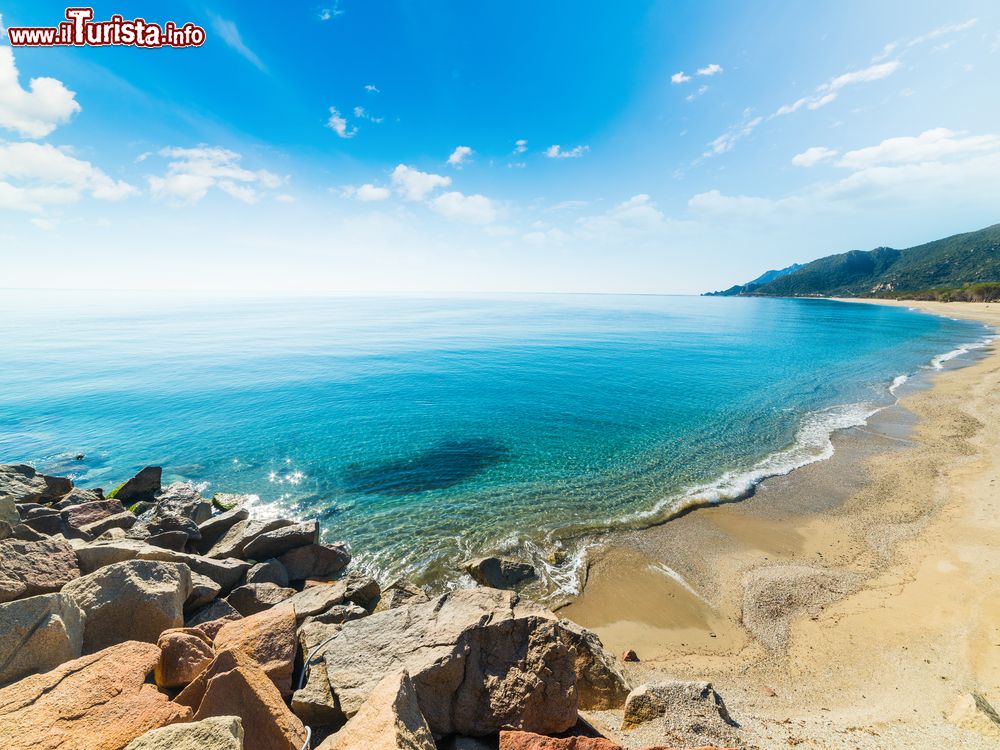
(79, 29)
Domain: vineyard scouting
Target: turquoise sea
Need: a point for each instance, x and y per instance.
(426, 431)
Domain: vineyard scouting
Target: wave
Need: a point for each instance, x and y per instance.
(897, 383)
(938, 362)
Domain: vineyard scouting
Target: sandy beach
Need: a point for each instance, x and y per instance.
(854, 603)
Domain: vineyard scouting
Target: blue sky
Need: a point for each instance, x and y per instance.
(450, 146)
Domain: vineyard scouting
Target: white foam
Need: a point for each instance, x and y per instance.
(897, 383)
(674, 575)
(938, 362)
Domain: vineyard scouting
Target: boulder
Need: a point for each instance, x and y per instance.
(514, 740)
(268, 638)
(226, 573)
(398, 593)
(242, 533)
(600, 680)
(184, 654)
(499, 572)
(216, 527)
(279, 541)
(124, 520)
(480, 660)
(8, 510)
(135, 600)
(143, 486)
(171, 522)
(217, 610)
(99, 702)
(233, 685)
(38, 634)
(685, 713)
(315, 561)
(22, 484)
(356, 588)
(30, 568)
(42, 519)
(77, 496)
(183, 499)
(230, 500)
(77, 516)
(269, 571)
(214, 733)
(337, 615)
(203, 591)
(256, 597)
(388, 720)
(172, 540)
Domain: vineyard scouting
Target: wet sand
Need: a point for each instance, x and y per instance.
(853, 603)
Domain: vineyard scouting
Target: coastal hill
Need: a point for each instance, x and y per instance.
(964, 266)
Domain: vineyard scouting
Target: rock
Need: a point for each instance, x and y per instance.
(183, 499)
(112, 535)
(480, 660)
(686, 713)
(601, 682)
(337, 615)
(630, 656)
(77, 496)
(229, 500)
(278, 542)
(216, 527)
(184, 653)
(143, 486)
(317, 599)
(398, 593)
(214, 733)
(27, 534)
(124, 520)
(269, 571)
(22, 484)
(98, 702)
(38, 634)
(217, 610)
(256, 597)
(241, 533)
(30, 568)
(77, 516)
(172, 523)
(203, 591)
(135, 600)
(233, 685)
(8, 510)
(42, 519)
(315, 561)
(268, 638)
(226, 573)
(388, 720)
(499, 572)
(514, 740)
(173, 540)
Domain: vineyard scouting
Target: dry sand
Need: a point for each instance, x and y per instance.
(854, 603)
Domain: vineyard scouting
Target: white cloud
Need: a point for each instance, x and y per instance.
(931, 145)
(813, 156)
(369, 192)
(460, 156)
(887, 50)
(701, 90)
(679, 77)
(710, 70)
(731, 137)
(33, 175)
(284, 198)
(555, 151)
(415, 185)
(637, 215)
(194, 171)
(520, 146)
(943, 30)
(552, 236)
(362, 114)
(472, 209)
(338, 124)
(371, 88)
(231, 36)
(326, 14)
(36, 112)
(827, 92)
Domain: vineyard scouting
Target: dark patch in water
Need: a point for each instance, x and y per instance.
(445, 465)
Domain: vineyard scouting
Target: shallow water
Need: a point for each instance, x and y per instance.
(425, 431)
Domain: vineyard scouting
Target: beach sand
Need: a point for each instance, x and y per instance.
(854, 603)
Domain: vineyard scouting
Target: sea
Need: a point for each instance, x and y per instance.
(426, 431)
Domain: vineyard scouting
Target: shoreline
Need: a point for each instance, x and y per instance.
(776, 599)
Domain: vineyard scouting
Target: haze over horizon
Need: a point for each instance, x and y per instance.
(348, 146)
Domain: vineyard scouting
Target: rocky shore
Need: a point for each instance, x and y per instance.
(153, 617)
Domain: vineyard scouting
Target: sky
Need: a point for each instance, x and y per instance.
(456, 147)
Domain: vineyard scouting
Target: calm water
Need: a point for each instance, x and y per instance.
(424, 431)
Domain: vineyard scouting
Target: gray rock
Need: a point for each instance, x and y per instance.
(8, 511)
(269, 571)
(173, 540)
(123, 520)
(43, 520)
(203, 591)
(338, 614)
(77, 496)
(22, 484)
(390, 719)
(143, 486)
(398, 593)
(38, 634)
(240, 534)
(216, 527)
(480, 660)
(135, 600)
(215, 733)
(162, 524)
(28, 534)
(220, 609)
(278, 542)
(78, 516)
(229, 500)
(28, 568)
(316, 561)
(685, 714)
(499, 572)
(256, 597)
(183, 499)
(601, 681)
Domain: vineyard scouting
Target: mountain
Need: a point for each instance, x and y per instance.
(953, 262)
(764, 278)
